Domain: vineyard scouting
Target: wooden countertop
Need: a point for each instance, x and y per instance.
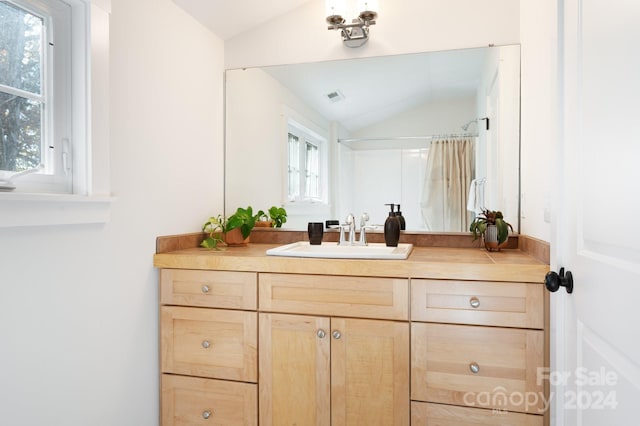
(424, 262)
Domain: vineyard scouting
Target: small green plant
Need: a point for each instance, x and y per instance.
(214, 228)
(243, 219)
(278, 215)
(261, 216)
(490, 217)
(275, 216)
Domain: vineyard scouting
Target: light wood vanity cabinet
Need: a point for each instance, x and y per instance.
(279, 346)
(333, 370)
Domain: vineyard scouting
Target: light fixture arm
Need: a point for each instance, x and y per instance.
(356, 23)
(356, 33)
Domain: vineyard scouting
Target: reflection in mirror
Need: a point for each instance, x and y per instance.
(436, 133)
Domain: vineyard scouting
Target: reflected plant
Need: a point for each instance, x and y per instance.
(490, 217)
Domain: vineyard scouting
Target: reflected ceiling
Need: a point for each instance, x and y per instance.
(377, 88)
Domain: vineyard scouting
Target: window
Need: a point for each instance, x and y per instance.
(35, 94)
(73, 187)
(306, 165)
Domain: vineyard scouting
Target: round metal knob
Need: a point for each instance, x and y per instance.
(553, 281)
(206, 344)
(474, 367)
(205, 289)
(206, 414)
(336, 334)
(474, 302)
(321, 333)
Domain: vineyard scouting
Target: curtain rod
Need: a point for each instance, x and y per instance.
(450, 135)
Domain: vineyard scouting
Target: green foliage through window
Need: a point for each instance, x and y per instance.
(21, 87)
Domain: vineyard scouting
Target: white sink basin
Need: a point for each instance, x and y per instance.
(334, 251)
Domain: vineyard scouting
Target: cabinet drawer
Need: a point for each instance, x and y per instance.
(190, 401)
(426, 414)
(479, 303)
(485, 367)
(381, 298)
(209, 343)
(214, 289)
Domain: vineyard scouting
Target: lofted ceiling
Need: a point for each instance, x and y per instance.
(228, 18)
(377, 88)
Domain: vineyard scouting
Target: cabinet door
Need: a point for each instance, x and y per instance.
(294, 381)
(370, 372)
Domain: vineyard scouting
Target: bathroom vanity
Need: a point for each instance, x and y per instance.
(449, 335)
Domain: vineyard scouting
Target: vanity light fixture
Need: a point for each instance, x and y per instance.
(356, 33)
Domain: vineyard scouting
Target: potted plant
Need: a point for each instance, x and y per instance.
(262, 220)
(214, 229)
(278, 215)
(274, 218)
(243, 220)
(234, 230)
(493, 228)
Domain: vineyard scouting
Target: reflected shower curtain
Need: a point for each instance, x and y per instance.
(450, 170)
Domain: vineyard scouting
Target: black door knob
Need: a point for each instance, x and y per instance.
(553, 281)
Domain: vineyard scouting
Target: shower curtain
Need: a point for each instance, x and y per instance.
(450, 170)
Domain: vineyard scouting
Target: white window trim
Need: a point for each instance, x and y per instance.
(305, 207)
(91, 200)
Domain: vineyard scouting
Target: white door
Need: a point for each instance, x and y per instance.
(595, 348)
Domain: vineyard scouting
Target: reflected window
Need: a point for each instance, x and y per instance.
(305, 165)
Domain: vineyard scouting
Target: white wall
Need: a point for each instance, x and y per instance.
(538, 115)
(403, 26)
(78, 303)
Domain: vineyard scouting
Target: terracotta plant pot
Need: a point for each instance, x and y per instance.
(264, 224)
(234, 238)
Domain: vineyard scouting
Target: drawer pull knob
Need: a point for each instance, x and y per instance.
(205, 289)
(474, 302)
(321, 333)
(336, 334)
(474, 367)
(206, 414)
(206, 344)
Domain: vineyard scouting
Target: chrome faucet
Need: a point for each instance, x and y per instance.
(350, 224)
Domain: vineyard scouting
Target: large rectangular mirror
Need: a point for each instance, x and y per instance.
(427, 131)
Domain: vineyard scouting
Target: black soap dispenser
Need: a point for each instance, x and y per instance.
(403, 224)
(391, 228)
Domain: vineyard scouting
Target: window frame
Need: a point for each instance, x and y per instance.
(91, 200)
(305, 136)
(56, 88)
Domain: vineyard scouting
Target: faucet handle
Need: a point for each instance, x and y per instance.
(363, 219)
